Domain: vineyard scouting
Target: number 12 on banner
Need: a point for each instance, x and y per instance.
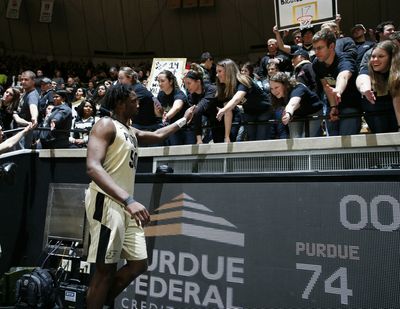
(340, 274)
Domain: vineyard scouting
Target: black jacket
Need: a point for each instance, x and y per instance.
(58, 138)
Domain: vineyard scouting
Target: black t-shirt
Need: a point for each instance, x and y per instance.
(29, 98)
(146, 115)
(310, 102)
(305, 74)
(384, 95)
(167, 101)
(342, 62)
(206, 105)
(285, 65)
(206, 102)
(5, 118)
(256, 100)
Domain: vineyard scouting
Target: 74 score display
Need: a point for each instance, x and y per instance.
(369, 214)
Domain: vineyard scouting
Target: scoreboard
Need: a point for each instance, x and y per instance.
(291, 241)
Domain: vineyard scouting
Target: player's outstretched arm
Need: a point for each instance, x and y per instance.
(159, 135)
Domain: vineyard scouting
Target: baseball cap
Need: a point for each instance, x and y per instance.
(206, 55)
(305, 30)
(46, 80)
(358, 26)
(301, 52)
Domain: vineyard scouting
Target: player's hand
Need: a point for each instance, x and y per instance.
(139, 213)
(189, 113)
(29, 127)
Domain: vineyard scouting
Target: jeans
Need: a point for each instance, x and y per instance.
(385, 118)
(279, 130)
(298, 128)
(184, 136)
(261, 128)
(218, 128)
(345, 125)
(242, 132)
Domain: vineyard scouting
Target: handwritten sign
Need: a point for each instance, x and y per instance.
(175, 65)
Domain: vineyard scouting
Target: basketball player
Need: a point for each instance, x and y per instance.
(116, 220)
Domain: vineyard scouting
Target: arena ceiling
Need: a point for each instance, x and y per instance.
(137, 29)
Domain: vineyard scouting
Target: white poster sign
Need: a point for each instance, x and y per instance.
(46, 11)
(175, 65)
(292, 14)
(13, 9)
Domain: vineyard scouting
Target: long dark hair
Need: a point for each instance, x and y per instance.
(13, 106)
(170, 77)
(79, 108)
(196, 72)
(249, 68)
(232, 77)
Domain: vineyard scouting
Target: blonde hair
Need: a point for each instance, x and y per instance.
(334, 27)
(130, 73)
(232, 76)
(378, 80)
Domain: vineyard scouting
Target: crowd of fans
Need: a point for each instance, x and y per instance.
(309, 83)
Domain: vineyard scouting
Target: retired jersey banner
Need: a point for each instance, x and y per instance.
(46, 11)
(292, 14)
(13, 9)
